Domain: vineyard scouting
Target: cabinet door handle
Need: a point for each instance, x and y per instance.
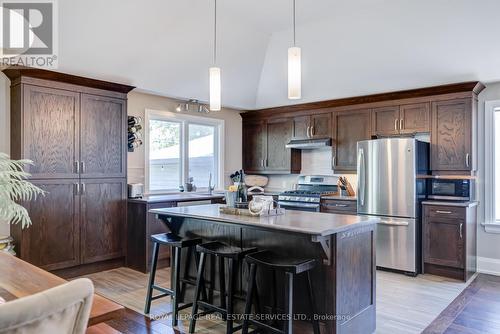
(82, 167)
(312, 131)
(461, 228)
(76, 189)
(400, 124)
(467, 160)
(396, 124)
(340, 205)
(307, 132)
(261, 162)
(442, 211)
(77, 167)
(265, 162)
(333, 161)
(83, 189)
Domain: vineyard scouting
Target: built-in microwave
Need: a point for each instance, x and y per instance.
(451, 189)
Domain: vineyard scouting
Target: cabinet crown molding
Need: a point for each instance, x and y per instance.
(474, 87)
(16, 73)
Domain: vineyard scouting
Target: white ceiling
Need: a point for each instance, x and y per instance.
(348, 47)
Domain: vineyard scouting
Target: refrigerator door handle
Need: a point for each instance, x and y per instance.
(362, 176)
(393, 223)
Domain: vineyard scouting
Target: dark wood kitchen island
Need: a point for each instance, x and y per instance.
(344, 283)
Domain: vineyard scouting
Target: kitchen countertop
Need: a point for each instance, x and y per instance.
(340, 198)
(312, 223)
(180, 197)
(451, 203)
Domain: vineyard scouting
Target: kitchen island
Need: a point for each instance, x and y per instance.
(344, 283)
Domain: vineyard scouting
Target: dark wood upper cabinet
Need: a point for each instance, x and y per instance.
(301, 126)
(321, 125)
(53, 240)
(279, 133)
(103, 218)
(385, 121)
(451, 136)
(264, 147)
(312, 126)
(103, 136)
(50, 122)
(415, 118)
(254, 146)
(349, 128)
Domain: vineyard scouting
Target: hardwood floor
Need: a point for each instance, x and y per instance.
(404, 304)
(476, 310)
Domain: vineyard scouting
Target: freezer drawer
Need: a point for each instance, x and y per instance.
(397, 244)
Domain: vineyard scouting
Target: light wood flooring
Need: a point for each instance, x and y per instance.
(404, 304)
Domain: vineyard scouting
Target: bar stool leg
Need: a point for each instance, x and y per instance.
(315, 322)
(194, 312)
(176, 286)
(248, 300)
(230, 291)
(203, 281)
(152, 274)
(222, 283)
(288, 328)
(212, 279)
(185, 275)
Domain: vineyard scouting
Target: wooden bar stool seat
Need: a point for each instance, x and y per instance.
(220, 251)
(291, 267)
(178, 285)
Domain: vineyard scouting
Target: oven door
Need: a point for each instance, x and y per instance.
(300, 206)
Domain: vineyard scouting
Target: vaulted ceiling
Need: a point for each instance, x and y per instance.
(349, 48)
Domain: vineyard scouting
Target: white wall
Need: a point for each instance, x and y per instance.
(138, 102)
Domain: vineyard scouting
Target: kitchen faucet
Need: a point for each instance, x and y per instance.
(210, 186)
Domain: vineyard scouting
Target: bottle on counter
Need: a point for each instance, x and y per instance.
(242, 188)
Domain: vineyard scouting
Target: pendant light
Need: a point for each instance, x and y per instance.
(294, 67)
(214, 72)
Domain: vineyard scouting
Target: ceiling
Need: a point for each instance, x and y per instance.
(349, 48)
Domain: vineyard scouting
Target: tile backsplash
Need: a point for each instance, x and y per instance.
(314, 162)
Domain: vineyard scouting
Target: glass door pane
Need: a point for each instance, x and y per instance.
(201, 158)
(164, 155)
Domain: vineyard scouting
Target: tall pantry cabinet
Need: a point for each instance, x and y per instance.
(75, 131)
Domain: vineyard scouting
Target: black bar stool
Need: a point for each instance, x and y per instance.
(291, 268)
(221, 251)
(178, 285)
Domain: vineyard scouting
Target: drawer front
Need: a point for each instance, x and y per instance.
(444, 212)
(339, 206)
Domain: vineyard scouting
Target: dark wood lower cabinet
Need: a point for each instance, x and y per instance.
(103, 219)
(449, 240)
(53, 240)
(77, 222)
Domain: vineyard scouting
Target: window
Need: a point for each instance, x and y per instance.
(182, 146)
(491, 172)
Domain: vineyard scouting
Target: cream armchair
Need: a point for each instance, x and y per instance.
(64, 309)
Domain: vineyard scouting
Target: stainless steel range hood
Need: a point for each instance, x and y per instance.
(307, 144)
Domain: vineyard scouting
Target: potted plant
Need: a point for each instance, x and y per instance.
(15, 188)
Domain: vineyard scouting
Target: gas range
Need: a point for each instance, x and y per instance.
(308, 194)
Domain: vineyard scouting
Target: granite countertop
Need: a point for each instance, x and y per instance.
(452, 203)
(180, 197)
(312, 223)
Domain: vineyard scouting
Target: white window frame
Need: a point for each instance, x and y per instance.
(490, 223)
(185, 120)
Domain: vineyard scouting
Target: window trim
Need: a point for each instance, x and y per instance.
(490, 223)
(185, 120)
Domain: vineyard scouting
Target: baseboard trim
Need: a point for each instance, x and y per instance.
(488, 265)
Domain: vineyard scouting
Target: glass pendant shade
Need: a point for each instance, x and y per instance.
(294, 73)
(215, 88)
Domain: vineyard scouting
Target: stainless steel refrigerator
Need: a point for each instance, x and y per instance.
(388, 187)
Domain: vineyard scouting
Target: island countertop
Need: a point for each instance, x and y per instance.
(311, 223)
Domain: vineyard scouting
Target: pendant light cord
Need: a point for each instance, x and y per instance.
(293, 22)
(215, 32)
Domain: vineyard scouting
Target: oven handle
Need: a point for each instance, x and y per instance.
(298, 205)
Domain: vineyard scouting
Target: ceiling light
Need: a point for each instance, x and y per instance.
(294, 67)
(214, 72)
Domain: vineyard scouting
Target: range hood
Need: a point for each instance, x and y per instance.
(307, 144)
